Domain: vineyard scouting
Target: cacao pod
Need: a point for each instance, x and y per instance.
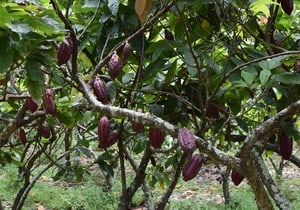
(31, 105)
(45, 131)
(138, 127)
(287, 6)
(100, 90)
(192, 167)
(236, 177)
(277, 43)
(156, 137)
(23, 136)
(186, 140)
(285, 146)
(114, 65)
(297, 65)
(103, 131)
(126, 51)
(64, 51)
(49, 102)
(112, 138)
(168, 35)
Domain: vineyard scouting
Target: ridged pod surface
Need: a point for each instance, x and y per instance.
(156, 137)
(186, 140)
(285, 146)
(114, 65)
(287, 6)
(64, 51)
(126, 51)
(236, 177)
(31, 105)
(112, 138)
(192, 167)
(103, 131)
(23, 137)
(49, 102)
(100, 90)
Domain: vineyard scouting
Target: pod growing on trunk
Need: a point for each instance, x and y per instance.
(236, 177)
(285, 146)
(192, 167)
(49, 102)
(156, 137)
(186, 140)
(100, 90)
(64, 51)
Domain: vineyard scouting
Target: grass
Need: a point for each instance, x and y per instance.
(89, 195)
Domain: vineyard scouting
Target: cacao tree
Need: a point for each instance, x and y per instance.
(195, 82)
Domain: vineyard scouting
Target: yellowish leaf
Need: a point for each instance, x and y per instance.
(148, 6)
(140, 6)
(143, 17)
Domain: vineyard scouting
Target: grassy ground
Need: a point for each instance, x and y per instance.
(205, 192)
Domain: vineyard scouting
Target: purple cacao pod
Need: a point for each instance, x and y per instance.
(45, 131)
(287, 6)
(103, 131)
(49, 102)
(285, 146)
(31, 105)
(114, 65)
(186, 140)
(156, 137)
(64, 51)
(23, 137)
(138, 127)
(236, 177)
(100, 90)
(192, 167)
(126, 51)
(112, 138)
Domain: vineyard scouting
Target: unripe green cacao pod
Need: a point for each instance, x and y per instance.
(285, 146)
(103, 131)
(49, 102)
(287, 6)
(23, 137)
(186, 140)
(31, 105)
(236, 177)
(156, 137)
(100, 90)
(114, 65)
(192, 167)
(64, 51)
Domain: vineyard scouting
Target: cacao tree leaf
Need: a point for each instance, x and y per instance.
(20, 28)
(111, 89)
(104, 166)
(6, 54)
(33, 70)
(264, 76)
(5, 17)
(35, 88)
(84, 150)
(288, 78)
(113, 5)
(248, 77)
(65, 118)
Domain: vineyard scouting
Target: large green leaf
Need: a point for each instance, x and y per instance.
(288, 78)
(5, 17)
(6, 54)
(35, 88)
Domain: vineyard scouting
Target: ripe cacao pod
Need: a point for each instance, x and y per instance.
(64, 51)
(138, 127)
(285, 146)
(49, 102)
(31, 105)
(236, 177)
(186, 140)
(100, 90)
(112, 138)
(45, 131)
(103, 131)
(23, 137)
(126, 51)
(192, 167)
(114, 65)
(287, 6)
(156, 137)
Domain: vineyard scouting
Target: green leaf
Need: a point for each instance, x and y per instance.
(264, 76)
(248, 77)
(104, 166)
(35, 88)
(33, 70)
(111, 89)
(127, 77)
(6, 54)
(288, 78)
(20, 28)
(5, 17)
(260, 6)
(65, 118)
(113, 6)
